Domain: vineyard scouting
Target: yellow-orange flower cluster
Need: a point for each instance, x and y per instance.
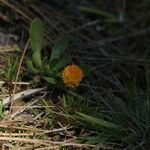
(72, 75)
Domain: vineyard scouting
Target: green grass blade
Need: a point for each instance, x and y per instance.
(99, 12)
(98, 122)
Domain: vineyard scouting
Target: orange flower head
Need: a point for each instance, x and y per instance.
(72, 75)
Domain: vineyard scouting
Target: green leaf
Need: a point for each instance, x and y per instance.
(31, 67)
(36, 58)
(36, 34)
(53, 63)
(45, 67)
(50, 80)
(59, 48)
(63, 62)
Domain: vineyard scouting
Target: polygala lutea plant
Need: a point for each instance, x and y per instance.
(55, 66)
